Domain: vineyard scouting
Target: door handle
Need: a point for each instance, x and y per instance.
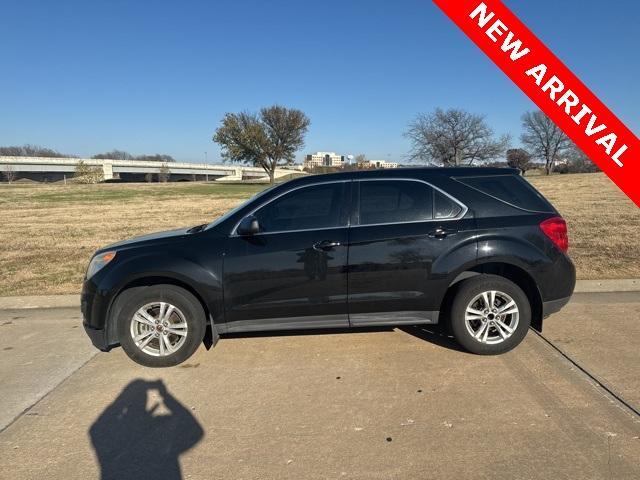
(441, 233)
(325, 245)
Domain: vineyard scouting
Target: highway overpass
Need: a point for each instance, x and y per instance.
(56, 169)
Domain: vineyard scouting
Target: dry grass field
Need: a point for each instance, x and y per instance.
(50, 231)
(604, 225)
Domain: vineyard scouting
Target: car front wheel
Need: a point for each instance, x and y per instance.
(490, 315)
(159, 325)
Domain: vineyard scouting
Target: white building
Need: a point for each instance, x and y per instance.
(323, 159)
(377, 164)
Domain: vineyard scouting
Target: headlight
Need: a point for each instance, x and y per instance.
(98, 262)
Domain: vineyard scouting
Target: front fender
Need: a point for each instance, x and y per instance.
(204, 282)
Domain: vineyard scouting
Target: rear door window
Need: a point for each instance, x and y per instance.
(395, 201)
(444, 207)
(510, 189)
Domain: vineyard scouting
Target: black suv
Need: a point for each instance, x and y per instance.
(478, 249)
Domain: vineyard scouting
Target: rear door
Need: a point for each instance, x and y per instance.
(401, 227)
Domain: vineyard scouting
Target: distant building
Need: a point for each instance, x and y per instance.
(323, 159)
(376, 164)
(560, 161)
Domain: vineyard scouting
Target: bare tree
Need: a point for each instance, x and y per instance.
(519, 158)
(32, 151)
(543, 138)
(164, 173)
(9, 173)
(360, 162)
(124, 155)
(453, 137)
(268, 140)
(158, 157)
(114, 155)
(579, 162)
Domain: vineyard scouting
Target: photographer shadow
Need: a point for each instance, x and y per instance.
(143, 433)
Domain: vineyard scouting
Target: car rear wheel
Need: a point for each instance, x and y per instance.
(159, 325)
(489, 315)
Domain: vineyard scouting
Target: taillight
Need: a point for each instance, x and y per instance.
(556, 229)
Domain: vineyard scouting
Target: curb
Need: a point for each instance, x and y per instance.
(602, 286)
(73, 301)
(40, 301)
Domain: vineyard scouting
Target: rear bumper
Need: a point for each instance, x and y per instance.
(554, 306)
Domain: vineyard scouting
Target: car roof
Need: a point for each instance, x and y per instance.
(405, 172)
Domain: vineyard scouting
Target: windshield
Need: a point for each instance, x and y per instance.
(233, 211)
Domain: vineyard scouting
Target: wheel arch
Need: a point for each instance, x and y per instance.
(511, 272)
(147, 281)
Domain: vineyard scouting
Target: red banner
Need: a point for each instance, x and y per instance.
(552, 87)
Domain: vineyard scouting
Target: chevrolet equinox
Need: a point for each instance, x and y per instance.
(477, 249)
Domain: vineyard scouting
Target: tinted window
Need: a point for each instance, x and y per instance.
(510, 189)
(390, 201)
(444, 207)
(318, 206)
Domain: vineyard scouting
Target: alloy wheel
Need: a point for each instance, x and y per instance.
(491, 317)
(159, 329)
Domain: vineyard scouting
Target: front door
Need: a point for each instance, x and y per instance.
(404, 226)
(293, 273)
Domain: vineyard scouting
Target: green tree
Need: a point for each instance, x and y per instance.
(269, 139)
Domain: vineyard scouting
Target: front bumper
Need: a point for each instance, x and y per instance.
(98, 337)
(94, 306)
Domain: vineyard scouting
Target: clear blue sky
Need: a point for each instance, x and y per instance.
(157, 77)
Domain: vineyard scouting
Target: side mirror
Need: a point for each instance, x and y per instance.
(248, 226)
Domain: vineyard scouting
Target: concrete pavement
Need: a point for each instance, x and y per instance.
(601, 332)
(38, 350)
(376, 404)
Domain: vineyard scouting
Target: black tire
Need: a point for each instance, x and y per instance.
(128, 303)
(467, 291)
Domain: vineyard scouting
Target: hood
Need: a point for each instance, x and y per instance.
(151, 237)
